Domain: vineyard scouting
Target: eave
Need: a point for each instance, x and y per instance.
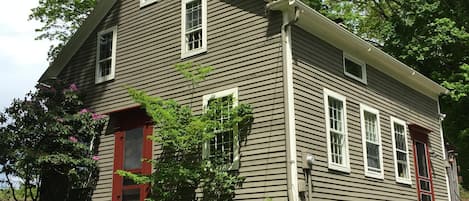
(78, 39)
(317, 24)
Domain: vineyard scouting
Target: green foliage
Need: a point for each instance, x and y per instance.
(181, 168)
(49, 136)
(430, 36)
(60, 19)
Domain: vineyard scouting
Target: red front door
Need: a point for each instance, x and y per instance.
(422, 162)
(131, 146)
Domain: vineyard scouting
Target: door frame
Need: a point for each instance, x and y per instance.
(420, 134)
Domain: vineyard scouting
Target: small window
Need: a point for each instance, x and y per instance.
(371, 138)
(106, 55)
(144, 3)
(225, 145)
(401, 154)
(194, 27)
(354, 68)
(336, 131)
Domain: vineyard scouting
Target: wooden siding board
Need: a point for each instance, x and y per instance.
(318, 65)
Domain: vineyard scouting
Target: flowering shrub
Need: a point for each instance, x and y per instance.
(49, 141)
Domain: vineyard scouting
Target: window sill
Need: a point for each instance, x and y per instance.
(339, 168)
(362, 80)
(103, 80)
(185, 55)
(147, 3)
(374, 175)
(404, 181)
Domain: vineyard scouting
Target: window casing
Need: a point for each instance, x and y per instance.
(371, 138)
(336, 130)
(400, 150)
(106, 55)
(354, 68)
(225, 144)
(144, 3)
(193, 27)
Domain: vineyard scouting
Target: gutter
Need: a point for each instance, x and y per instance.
(290, 144)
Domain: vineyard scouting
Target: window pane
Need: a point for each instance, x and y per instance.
(425, 185)
(372, 151)
(105, 67)
(194, 40)
(337, 147)
(399, 137)
(221, 146)
(371, 128)
(105, 46)
(425, 197)
(353, 68)
(422, 159)
(133, 147)
(131, 195)
(335, 114)
(193, 25)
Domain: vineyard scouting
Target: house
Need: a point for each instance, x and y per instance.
(334, 115)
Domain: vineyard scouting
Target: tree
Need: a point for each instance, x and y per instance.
(181, 168)
(429, 36)
(49, 143)
(60, 19)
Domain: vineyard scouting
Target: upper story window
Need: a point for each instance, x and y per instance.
(401, 153)
(106, 55)
(336, 131)
(144, 3)
(354, 68)
(371, 138)
(194, 27)
(225, 145)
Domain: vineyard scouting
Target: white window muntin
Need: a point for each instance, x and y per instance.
(358, 62)
(98, 77)
(374, 138)
(405, 179)
(338, 159)
(206, 148)
(144, 3)
(185, 52)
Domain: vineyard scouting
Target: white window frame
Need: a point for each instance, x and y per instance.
(98, 77)
(206, 147)
(364, 108)
(400, 179)
(188, 53)
(360, 63)
(144, 3)
(345, 167)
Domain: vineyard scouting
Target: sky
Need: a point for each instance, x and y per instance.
(22, 59)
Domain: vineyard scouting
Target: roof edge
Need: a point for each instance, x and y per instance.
(78, 39)
(351, 43)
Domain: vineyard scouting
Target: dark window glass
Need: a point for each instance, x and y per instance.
(133, 149)
(221, 146)
(353, 68)
(422, 159)
(131, 195)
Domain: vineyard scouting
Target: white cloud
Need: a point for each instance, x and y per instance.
(22, 59)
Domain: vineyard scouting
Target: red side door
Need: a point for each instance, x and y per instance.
(131, 146)
(422, 163)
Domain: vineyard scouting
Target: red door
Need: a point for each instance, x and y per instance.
(131, 146)
(422, 162)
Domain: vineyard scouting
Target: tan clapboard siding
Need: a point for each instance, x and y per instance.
(245, 50)
(318, 65)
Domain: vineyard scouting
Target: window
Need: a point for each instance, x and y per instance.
(336, 131)
(193, 27)
(106, 55)
(225, 145)
(371, 138)
(401, 154)
(354, 68)
(144, 3)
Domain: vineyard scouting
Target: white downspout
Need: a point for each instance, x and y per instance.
(292, 171)
(443, 148)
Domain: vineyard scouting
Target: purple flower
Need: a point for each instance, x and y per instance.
(83, 111)
(73, 139)
(73, 87)
(95, 158)
(97, 116)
